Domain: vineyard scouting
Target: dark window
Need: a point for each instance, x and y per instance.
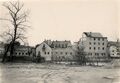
(26, 53)
(98, 43)
(99, 39)
(56, 52)
(103, 48)
(103, 39)
(45, 52)
(19, 53)
(94, 39)
(62, 46)
(66, 53)
(71, 53)
(94, 43)
(48, 53)
(102, 43)
(89, 47)
(90, 43)
(94, 48)
(101, 53)
(22, 53)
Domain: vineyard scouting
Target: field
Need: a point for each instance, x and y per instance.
(52, 73)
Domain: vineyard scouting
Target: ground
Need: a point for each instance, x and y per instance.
(51, 73)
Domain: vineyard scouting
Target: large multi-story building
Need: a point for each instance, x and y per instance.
(95, 45)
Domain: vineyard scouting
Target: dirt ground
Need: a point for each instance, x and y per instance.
(43, 73)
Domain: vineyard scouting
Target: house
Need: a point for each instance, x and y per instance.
(94, 45)
(62, 51)
(44, 50)
(114, 49)
(24, 51)
(55, 50)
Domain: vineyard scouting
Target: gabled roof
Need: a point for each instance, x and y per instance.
(41, 44)
(93, 34)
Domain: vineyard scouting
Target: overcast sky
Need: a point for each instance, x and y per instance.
(68, 19)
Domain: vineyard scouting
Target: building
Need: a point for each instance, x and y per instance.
(55, 50)
(1, 49)
(24, 51)
(62, 51)
(44, 50)
(94, 45)
(114, 49)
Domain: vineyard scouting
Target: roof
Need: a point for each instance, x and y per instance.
(113, 43)
(93, 34)
(57, 44)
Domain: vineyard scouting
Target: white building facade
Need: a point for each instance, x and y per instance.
(44, 50)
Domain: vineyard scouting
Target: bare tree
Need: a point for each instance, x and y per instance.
(81, 56)
(18, 24)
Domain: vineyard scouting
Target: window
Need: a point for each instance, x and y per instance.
(103, 39)
(45, 52)
(62, 46)
(95, 53)
(89, 47)
(26, 53)
(102, 43)
(94, 48)
(103, 48)
(22, 53)
(98, 48)
(48, 53)
(98, 43)
(66, 53)
(94, 43)
(89, 53)
(90, 43)
(94, 39)
(19, 53)
(61, 52)
(98, 39)
(56, 52)
(71, 53)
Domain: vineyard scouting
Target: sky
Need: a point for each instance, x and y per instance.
(68, 19)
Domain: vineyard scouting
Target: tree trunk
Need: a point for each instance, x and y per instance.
(11, 52)
(5, 54)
